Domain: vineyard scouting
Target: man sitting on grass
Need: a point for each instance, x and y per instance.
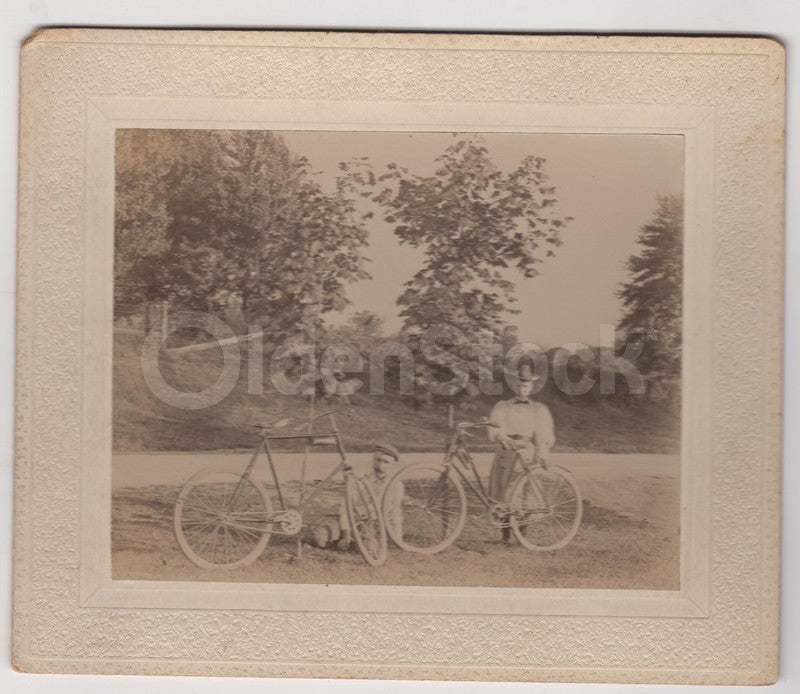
(337, 530)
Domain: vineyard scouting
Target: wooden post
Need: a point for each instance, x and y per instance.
(164, 318)
(306, 449)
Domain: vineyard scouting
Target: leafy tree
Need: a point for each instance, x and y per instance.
(141, 215)
(651, 299)
(479, 228)
(477, 225)
(236, 211)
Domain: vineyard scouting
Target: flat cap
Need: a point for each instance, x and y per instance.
(389, 449)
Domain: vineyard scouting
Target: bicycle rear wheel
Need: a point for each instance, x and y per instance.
(366, 522)
(424, 507)
(218, 528)
(546, 508)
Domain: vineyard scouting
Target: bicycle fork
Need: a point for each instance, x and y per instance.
(540, 502)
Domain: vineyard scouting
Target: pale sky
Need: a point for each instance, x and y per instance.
(608, 183)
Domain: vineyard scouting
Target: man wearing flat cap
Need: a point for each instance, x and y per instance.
(522, 427)
(337, 530)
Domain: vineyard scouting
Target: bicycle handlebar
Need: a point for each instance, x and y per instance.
(280, 423)
(475, 425)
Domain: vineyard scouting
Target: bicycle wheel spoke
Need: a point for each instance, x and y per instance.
(215, 525)
(436, 510)
(190, 523)
(200, 530)
(229, 542)
(211, 499)
(206, 543)
(200, 509)
(246, 529)
(570, 502)
(195, 516)
(365, 521)
(203, 502)
(560, 497)
(242, 538)
(547, 508)
(256, 512)
(430, 509)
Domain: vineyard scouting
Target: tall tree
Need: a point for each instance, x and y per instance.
(651, 299)
(237, 212)
(140, 214)
(480, 228)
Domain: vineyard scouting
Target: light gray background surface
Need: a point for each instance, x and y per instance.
(18, 18)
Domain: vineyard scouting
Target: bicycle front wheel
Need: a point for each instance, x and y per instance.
(546, 507)
(366, 523)
(222, 520)
(425, 508)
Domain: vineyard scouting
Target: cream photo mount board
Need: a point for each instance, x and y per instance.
(724, 96)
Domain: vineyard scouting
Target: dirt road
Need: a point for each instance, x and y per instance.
(628, 537)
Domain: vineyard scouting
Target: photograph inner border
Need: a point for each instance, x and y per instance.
(108, 114)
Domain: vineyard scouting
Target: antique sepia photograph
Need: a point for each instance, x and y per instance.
(398, 358)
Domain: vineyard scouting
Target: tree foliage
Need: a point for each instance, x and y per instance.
(203, 212)
(364, 330)
(140, 210)
(478, 226)
(651, 299)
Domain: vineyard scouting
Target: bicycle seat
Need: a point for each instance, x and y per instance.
(274, 424)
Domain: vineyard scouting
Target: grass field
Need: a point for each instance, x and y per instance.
(142, 422)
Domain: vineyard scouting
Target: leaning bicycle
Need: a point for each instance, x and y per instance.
(544, 507)
(226, 519)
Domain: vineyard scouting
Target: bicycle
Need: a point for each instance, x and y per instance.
(544, 509)
(226, 519)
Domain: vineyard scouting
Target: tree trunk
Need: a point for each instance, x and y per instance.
(164, 318)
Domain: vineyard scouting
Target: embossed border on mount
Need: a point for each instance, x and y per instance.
(724, 95)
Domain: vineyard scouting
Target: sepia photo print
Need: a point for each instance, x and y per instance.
(397, 358)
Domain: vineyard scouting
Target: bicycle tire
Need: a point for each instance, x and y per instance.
(366, 522)
(554, 523)
(213, 536)
(433, 508)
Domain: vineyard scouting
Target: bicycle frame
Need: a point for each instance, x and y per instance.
(457, 451)
(311, 439)
(436, 507)
(221, 515)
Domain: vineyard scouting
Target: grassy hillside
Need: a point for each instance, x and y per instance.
(142, 422)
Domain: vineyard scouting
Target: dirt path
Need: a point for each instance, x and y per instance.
(628, 537)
